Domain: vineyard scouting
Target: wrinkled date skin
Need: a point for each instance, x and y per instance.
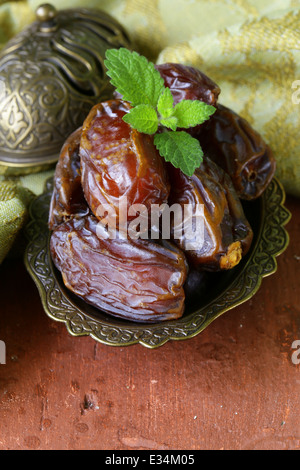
(227, 234)
(67, 198)
(118, 161)
(231, 142)
(188, 83)
(135, 280)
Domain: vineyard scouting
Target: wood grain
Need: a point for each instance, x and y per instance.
(234, 386)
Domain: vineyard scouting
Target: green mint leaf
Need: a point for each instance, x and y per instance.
(165, 105)
(143, 118)
(170, 122)
(134, 77)
(191, 113)
(137, 81)
(180, 149)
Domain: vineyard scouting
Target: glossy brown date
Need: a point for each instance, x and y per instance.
(68, 199)
(231, 142)
(188, 83)
(118, 161)
(227, 234)
(135, 280)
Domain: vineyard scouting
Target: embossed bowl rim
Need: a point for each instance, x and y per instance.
(60, 305)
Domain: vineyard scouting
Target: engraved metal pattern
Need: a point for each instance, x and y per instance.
(271, 240)
(51, 74)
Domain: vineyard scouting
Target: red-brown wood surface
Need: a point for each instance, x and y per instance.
(234, 386)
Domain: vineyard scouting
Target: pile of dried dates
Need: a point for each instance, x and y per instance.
(147, 278)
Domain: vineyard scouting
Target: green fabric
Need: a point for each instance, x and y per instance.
(15, 197)
(14, 201)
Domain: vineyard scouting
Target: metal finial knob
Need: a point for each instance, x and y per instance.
(46, 15)
(45, 12)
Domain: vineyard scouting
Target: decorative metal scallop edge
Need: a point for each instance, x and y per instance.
(272, 241)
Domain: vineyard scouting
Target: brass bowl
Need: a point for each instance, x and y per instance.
(267, 215)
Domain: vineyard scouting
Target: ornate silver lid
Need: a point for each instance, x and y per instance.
(51, 74)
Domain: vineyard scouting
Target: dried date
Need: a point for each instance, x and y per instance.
(67, 198)
(118, 161)
(227, 234)
(132, 279)
(231, 142)
(188, 83)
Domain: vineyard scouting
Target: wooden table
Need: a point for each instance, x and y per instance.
(234, 386)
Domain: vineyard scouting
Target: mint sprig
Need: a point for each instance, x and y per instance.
(143, 118)
(138, 81)
(165, 105)
(190, 113)
(134, 77)
(180, 149)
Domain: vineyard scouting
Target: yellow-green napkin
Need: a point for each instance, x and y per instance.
(15, 196)
(13, 212)
(251, 48)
